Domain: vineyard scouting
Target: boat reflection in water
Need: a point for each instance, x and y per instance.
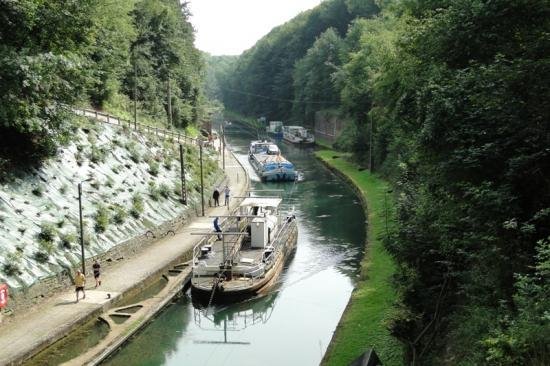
(234, 318)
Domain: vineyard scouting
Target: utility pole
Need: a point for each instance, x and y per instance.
(135, 92)
(182, 166)
(202, 178)
(82, 258)
(223, 147)
(169, 102)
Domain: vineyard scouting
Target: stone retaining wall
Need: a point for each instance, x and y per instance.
(24, 298)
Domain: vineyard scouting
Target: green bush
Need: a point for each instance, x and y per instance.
(137, 206)
(11, 269)
(67, 240)
(101, 219)
(133, 150)
(119, 215)
(153, 168)
(164, 190)
(47, 233)
(177, 189)
(97, 154)
(38, 191)
(154, 191)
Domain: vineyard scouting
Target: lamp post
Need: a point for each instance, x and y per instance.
(202, 179)
(82, 257)
(223, 147)
(135, 90)
(182, 168)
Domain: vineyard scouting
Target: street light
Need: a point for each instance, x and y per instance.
(223, 147)
(182, 169)
(82, 258)
(202, 178)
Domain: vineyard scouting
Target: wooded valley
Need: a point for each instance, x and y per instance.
(457, 96)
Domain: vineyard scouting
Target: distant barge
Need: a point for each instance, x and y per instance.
(265, 157)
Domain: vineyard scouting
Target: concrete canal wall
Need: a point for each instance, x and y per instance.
(57, 316)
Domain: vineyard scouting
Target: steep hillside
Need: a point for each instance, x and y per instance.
(131, 184)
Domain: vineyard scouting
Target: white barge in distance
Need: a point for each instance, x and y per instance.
(297, 135)
(248, 255)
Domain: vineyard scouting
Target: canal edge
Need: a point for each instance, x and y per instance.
(366, 271)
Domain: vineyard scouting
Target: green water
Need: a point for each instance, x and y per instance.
(292, 324)
(73, 345)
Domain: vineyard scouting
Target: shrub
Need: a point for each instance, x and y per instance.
(134, 152)
(119, 215)
(63, 189)
(47, 233)
(67, 240)
(164, 190)
(137, 206)
(101, 219)
(97, 155)
(177, 189)
(11, 269)
(153, 168)
(154, 191)
(38, 191)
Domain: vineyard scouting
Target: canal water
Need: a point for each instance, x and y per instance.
(294, 322)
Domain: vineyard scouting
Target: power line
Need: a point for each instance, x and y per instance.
(280, 99)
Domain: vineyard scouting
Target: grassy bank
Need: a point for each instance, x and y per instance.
(364, 322)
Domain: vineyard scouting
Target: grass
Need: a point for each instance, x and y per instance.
(364, 322)
(321, 142)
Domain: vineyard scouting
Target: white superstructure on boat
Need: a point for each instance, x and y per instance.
(297, 135)
(265, 157)
(249, 253)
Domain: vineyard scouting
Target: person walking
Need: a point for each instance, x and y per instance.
(217, 227)
(97, 273)
(216, 197)
(79, 281)
(227, 192)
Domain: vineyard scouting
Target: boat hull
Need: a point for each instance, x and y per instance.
(239, 289)
(278, 174)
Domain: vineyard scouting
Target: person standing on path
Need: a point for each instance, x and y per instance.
(216, 197)
(226, 191)
(97, 273)
(217, 227)
(79, 281)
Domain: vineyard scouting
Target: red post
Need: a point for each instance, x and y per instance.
(3, 295)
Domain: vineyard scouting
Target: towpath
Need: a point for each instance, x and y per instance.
(55, 317)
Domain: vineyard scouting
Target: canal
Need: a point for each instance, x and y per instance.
(294, 322)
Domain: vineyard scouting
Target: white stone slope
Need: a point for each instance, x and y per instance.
(39, 216)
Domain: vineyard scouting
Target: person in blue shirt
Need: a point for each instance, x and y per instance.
(217, 227)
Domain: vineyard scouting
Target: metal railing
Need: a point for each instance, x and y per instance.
(173, 136)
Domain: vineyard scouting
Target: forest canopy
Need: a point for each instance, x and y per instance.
(54, 54)
(454, 97)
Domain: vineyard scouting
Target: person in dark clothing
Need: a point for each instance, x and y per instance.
(97, 273)
(217, 227)
(216, 197)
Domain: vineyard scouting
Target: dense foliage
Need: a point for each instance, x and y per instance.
(262, 82)
(57, 53)
(458, 94)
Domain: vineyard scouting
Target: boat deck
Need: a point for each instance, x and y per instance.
(246, 256)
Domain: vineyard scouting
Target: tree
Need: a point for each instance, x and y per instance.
(42, 68)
